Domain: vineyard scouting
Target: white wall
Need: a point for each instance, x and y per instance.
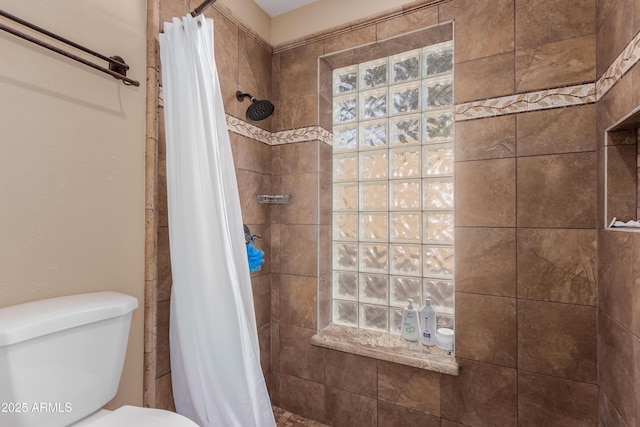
(72, 162)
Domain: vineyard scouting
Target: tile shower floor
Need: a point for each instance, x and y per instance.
(287, 419)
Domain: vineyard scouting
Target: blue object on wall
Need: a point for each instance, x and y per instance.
(255, 256)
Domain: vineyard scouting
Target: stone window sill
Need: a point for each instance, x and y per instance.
(388, 347)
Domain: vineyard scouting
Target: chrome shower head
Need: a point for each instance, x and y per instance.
(259, 109)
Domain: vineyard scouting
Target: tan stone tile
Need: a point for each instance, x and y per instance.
(164, 393)
(545, 401)
(557, 339)
(407, 22)
(298, 249)
(486, 260)
(616, 27)
(557, 265)
(557, 191)
(264, 342)
(616, 103)
(409, 387)
(301, 111)
(254, 68)
(616, 367)
(302, 397)
(298, 300)
(482, 395)
(350, 39)
(558, 130)
(250, 184)
(496, 74)
(491, 21)
(486, 328)
(608, 415)
(300, 157)
(252, 155)
(486, 193)
(261, 286)
(297, 356)
(163, 363)
(350, 372)
(540, 22)
(616, 280)
(226, 38)
(303, 189)
(491, 138)
(171, 8)
(343, 408)
(393, 416)
(556, 64)
(298, 71)
(275, 297)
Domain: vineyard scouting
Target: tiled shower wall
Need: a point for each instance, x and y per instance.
(526, 226)
(618, 24)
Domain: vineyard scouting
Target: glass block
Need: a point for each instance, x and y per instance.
(437, 93)
(373, 196)
(395, 320)
(404, 195)
(404, 162)
(405, 98)
(445, 321)
(345, 256)
(438, 194)
(345, 226)
(345, 167)
(345, 197)
(405, 66)
(404, 130)
(374, 317)
(374, 227)
(345, 137)
(345, 80)
(406, 227)
(345, 313)
(374, 289)
(345, 285)
(345, 108)
(373, 74)
(437, 59)
(442, 294)
(373, 134)
(437, 160)
(403, 288)
(438, 261)
(374, 258)
(374, 165)
(437, 126)
(373, 104)
(438, 227)
(405, 260)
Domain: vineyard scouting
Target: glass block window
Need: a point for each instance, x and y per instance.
(393, 166)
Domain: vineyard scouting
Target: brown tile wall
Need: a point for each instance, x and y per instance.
(526, 231)
(618, 252)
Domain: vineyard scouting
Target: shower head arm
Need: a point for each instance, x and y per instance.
(241, 96)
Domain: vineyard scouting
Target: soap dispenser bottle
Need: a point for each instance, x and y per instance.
(410, 323)
(428, 324)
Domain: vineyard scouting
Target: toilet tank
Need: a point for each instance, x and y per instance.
(61, 358)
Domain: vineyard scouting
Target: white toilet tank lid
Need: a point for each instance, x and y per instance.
(33, 319)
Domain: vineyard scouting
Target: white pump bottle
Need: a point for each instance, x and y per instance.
(410, 323)
(428, 324)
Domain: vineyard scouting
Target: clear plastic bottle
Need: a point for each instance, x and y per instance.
(410, 323)
(428, 324)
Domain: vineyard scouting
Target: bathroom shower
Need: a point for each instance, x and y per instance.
(259, 109)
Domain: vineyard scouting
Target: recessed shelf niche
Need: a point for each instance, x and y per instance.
(621, 172)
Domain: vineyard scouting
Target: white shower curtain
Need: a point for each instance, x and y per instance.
(215, 357)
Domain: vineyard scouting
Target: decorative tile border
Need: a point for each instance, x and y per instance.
(531, 101)
(305, 134)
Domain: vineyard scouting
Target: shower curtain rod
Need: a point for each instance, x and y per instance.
(117, 67)
(198, 10)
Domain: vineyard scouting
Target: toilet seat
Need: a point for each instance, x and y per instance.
(133, 416)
